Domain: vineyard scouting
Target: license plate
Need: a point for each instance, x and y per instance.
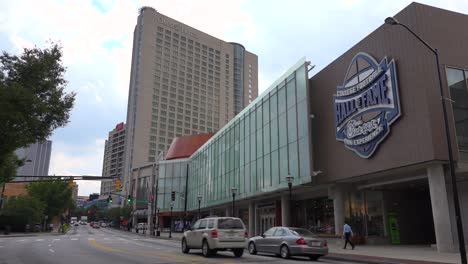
(315, 243)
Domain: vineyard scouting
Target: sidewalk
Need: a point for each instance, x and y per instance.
(381, 254)
(30, 234)
(407, 254)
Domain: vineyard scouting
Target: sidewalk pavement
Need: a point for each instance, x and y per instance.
(376, 254)
(30, 234)
(407, 254)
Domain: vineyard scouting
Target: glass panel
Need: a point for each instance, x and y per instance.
(274, 134)
(247, 178)
(247, 124)
(273, 106)
(260, 179)
(281, 100)
(301, 84)
(266, 111)
(247, 149)
(274, 168)
(283, 158)
(292, 125)
(258, 114)
(266, 170)
(282, 130)
(293, 160)
(242, 180)
(259, 143)
(253, 148)
(458, 92)
(266, 138)
(302, 119)
(291, 93)
(304, 169)
(253, 176)
(241, 152)
(241, 125)
(252, 122)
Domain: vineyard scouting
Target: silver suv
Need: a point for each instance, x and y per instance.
(214, 234)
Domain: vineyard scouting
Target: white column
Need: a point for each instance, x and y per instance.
(251, 218)
(285, 210)
(440, 209)
(338, 208)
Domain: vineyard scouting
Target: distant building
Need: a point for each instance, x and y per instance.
(113, 158)
(37, 163)
(75, 191)
(37, 159)
(182, 82)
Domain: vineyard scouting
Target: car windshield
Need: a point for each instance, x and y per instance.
(230, 223)
(301, 232)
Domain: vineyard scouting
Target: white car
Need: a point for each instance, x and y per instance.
(141, 226)
(103, 224)
(216, 234)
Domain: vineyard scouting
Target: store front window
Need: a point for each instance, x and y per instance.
(318, 216)
(364, 212)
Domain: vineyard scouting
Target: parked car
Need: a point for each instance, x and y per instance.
(95, 224)
(216, 234)
(289, 241)
(141, 226)
(103, 224)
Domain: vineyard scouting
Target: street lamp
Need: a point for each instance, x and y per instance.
(170, 222)
(461, 240)
(233, 191)
(199, 202)
(290, 179)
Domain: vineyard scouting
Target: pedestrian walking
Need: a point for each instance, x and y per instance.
(347, 232)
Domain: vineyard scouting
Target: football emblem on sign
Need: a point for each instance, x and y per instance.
(367, 104)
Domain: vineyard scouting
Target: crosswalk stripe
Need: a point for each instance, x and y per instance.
(91, 238)
(40, 239)
(74, 239)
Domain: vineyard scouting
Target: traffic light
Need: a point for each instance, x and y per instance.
(117, 185)
(109, 199)
(129, 199)
(172, 196)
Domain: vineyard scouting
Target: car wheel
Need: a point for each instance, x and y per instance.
(185, 248)
(252, 248)
(206, 251)
(238, 252)
(314, 257)
(284, 252)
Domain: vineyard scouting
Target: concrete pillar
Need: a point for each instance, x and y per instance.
(251, 219)
(256, 221)
(285, 210)
(440, 209)
(385, 218)
(228, 211)
(338, 194)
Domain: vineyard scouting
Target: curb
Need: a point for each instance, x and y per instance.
(28, 235)
(374, 260)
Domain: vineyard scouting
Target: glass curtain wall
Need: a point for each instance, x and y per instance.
(457, 83)
(172, 178)
(257, 149)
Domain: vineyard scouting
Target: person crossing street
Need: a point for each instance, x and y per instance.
(348, 233)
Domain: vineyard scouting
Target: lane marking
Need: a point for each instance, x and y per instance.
(50, 245)
(21, 240)
(40, 239)
(91, 238)
(94, 243)
(74, 239)
(51, 250)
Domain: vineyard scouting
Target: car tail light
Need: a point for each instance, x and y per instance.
(301, 241)
(246, 234)
(214, 233)
(325, 243)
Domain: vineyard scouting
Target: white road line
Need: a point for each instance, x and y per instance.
(106, 238)
(21, 240)
(138, 244)
(74, 239)
(51, 250)
(55, 239)
(121, 238)
(113, 235)
(39, 239)
(91, 238)
(50, 245)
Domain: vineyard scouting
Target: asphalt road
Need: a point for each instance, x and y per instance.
(86, 245)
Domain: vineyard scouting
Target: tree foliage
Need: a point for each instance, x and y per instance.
(56, 195)
(21, 211)
(33, 100)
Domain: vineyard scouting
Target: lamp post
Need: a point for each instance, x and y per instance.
(170, 222)
(233, 191)
(290, 179)
(461, 239)
(199, 203)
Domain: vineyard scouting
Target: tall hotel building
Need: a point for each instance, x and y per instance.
(113, 158)
(182, 82)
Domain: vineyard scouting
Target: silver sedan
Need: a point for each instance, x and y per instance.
(289, 241)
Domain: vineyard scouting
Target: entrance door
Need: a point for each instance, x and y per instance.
(267, 221)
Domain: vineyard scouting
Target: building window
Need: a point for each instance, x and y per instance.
(457, 82)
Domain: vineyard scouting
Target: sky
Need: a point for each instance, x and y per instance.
(96, 36)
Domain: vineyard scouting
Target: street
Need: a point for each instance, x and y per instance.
(84, 244)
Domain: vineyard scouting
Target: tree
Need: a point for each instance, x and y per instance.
(56, 195)
(21, 211)
(32, 100)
